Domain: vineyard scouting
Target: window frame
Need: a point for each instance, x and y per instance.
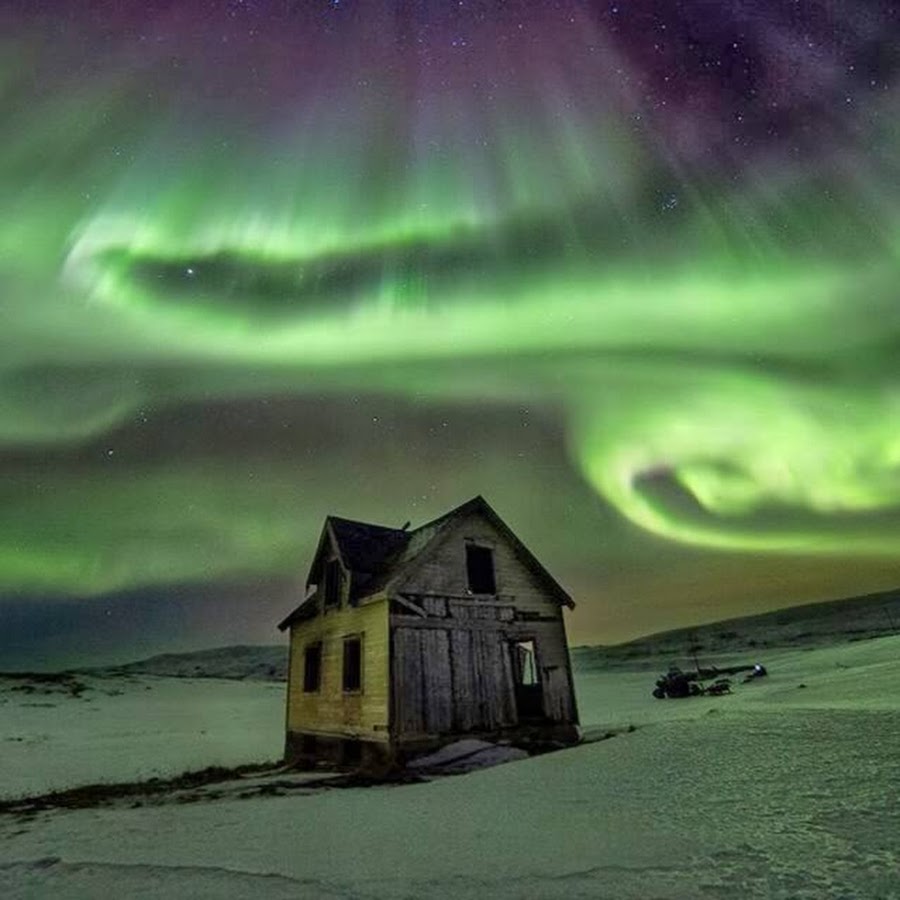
(312, 647)
(332, 584)
(348, 640)
(473, 548)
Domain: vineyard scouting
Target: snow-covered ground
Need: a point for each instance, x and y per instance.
(775, 791)
(129, 728)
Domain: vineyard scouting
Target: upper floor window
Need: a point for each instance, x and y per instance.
(480, 569)
(333, 579)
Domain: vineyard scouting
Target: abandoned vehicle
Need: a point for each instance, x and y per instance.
(410, 639)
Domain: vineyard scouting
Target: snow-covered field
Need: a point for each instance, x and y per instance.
(129, 728)
(775, 791)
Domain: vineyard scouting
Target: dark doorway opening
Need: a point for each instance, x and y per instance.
(527, 681)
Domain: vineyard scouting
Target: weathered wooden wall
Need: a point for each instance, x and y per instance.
(442, 568)
(330, 711)
(553, 664)
(455, 675)
(449, 680)
(452, 669)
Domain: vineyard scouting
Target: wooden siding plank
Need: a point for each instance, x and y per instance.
(416, 624)
(438, 699)
(479, 673)
(491, 702)
(414, 683)
(500, 699)
(445, 687)
(556, 694)
(506, 687)
(487, 695)
(552, 659)
(462, 677)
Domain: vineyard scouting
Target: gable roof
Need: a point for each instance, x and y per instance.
(377, 555)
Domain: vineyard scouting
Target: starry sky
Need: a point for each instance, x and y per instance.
(628, 269)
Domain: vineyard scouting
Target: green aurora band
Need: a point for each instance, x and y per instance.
(726, 361)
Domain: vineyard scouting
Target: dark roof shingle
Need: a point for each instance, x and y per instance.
(366, 548)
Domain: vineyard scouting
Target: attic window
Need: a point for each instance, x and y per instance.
(480, 569)
(352, 664)
(312, 668)
(333, 578)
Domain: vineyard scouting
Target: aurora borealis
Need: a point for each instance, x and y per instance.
(629, 269)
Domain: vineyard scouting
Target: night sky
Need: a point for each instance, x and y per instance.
(629, 269)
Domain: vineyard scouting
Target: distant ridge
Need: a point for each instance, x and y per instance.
(832, 621)
(256, 662)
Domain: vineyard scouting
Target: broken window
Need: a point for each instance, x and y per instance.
(352, 664)
(333, 577)
(525, 663)
(312, 668)
(480, 569)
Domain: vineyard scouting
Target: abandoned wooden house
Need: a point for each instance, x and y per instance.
(408, 640)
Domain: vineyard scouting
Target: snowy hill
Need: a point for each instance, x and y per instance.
(818, 624)
(265, 663)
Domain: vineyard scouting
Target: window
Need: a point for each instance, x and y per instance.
(480, 569)
(333, 578)
(352, 664)
(312, 668)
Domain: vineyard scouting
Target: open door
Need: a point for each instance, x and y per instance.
(527, 681)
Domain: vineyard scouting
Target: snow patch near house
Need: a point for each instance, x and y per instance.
(467, 756)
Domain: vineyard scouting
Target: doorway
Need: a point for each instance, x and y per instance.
(527, 680)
